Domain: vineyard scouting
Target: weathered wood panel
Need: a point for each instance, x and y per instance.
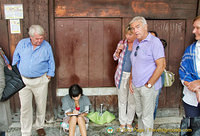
(162, 27)
(156, 9)
(72, 52)
(189, 36)
(36, 12)
(85, 54)
(53, 100)
(176, 49)
(4, 42)
(112, 34)
(96, 52)
(110, 103)
(0, 11)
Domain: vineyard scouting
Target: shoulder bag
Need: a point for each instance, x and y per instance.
(13, 81)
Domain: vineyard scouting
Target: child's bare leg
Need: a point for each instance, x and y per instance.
(82, 126)
(72, 125)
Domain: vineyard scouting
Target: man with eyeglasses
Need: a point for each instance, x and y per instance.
(148, 63)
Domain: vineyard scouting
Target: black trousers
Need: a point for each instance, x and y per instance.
(191, 111)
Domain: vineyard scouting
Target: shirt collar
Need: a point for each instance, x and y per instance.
(198, 43)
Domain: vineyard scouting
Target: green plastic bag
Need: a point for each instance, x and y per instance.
(169, 78)
(106, 117)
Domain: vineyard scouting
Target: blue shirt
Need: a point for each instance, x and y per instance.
(127, 63)
(34, 62)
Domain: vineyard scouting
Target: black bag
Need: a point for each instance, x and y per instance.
(14, 82)
(190, 126)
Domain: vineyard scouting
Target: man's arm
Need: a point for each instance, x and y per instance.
(51, 62)
(16, 56)
(160, 66)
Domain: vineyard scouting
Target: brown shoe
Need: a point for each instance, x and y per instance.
(136, 125)
(41, 132)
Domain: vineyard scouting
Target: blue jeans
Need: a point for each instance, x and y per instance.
(156, 105)
(2, 134)
(191, 111)
(157, 98)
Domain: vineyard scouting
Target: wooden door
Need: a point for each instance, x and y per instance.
(84, 49)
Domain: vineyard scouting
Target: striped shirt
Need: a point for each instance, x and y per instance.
(118, 73)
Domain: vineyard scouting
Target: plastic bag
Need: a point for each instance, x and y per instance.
(106, 117)
(168, 78)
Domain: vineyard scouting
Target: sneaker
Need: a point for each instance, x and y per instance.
(129, 129)
(122, 129)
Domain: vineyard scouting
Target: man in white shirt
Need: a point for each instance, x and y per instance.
(189, 72)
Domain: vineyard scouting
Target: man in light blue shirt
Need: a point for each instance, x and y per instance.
(35, 61)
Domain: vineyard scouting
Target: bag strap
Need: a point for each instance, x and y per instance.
(2, 55)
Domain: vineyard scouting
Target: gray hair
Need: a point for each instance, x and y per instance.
(139, 18)
(35, 29)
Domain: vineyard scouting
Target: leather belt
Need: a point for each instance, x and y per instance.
(31, 77)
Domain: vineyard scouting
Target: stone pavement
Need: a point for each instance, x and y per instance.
(166, 124)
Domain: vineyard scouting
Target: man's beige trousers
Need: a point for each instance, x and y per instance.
(145, 105)
(37, 87)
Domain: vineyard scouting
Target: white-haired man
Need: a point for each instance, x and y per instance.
(148, 63)
(36, 64)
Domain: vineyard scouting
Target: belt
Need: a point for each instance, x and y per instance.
(31, 77)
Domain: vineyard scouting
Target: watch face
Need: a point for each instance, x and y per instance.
(149, 85)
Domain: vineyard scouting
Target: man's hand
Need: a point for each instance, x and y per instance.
(9, 67)
(131, 88)
(49, 77)
(198, 95)
(194, 85)
(75, 112)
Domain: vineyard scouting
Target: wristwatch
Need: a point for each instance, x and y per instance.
(149, 85)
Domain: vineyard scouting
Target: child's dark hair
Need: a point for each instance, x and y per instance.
(164, 42)
(154, 33)
(75, 90)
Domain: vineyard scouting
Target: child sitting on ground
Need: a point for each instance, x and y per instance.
(76, 107)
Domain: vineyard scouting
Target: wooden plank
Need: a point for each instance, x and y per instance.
(110, 103)
(0, 11)
(125, 22)
(93, 103)
(159, 9)
(72, 52)
(150, 24)
(81, 51)
(52, 100)
(198, 8)
(162, 28)
(36, 12)
(183, 6)
(177, 35)
(96, 53)
(4, 41)
(112, 35)
(189, 36)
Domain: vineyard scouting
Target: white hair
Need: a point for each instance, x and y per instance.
(139, 18)
(35, 29)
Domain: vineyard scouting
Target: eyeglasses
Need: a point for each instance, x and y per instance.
(136, 50)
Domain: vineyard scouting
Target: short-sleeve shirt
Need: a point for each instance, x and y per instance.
(143, 64)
